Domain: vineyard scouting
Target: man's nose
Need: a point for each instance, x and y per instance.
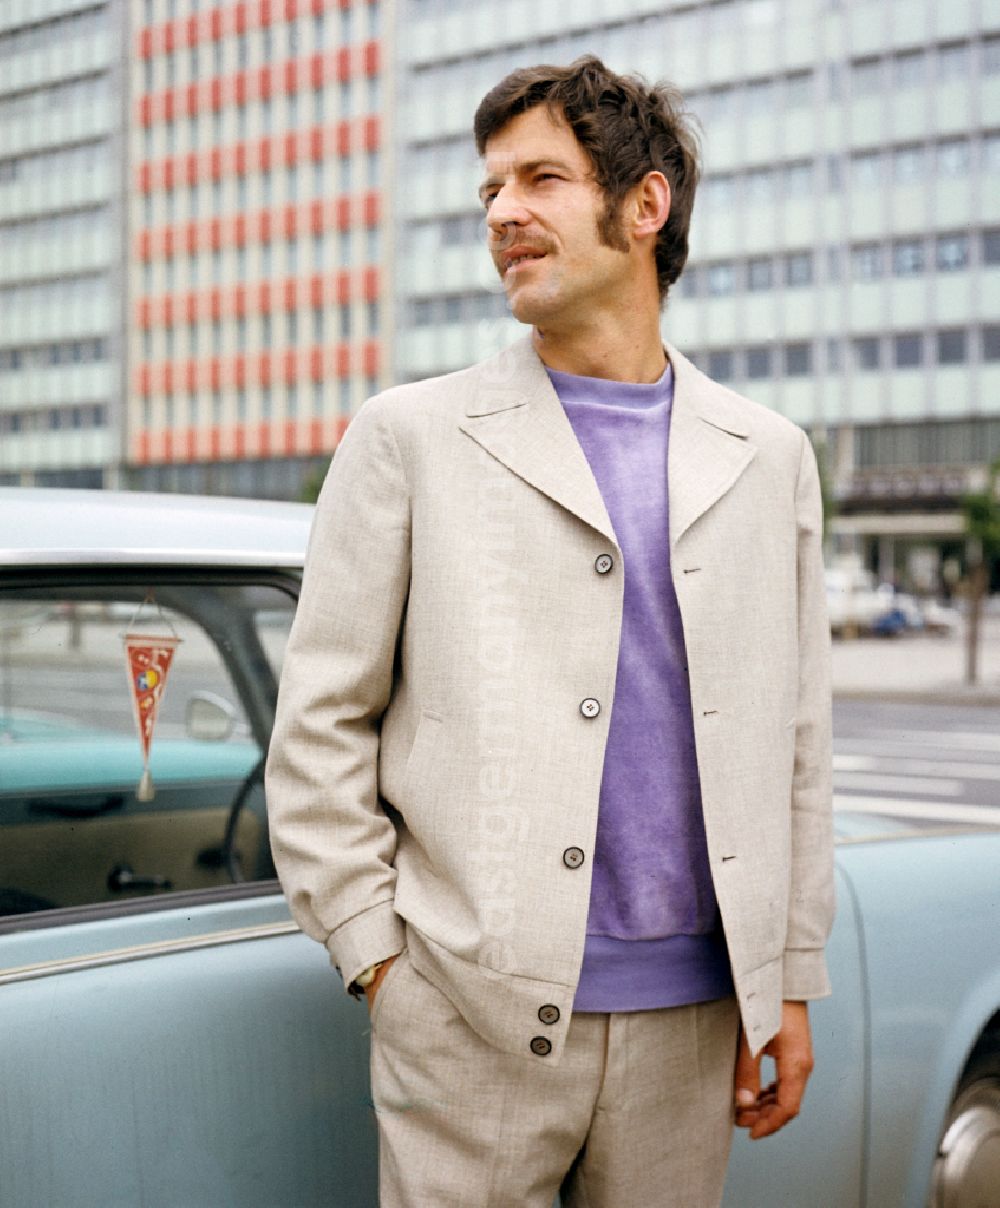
(506, 210)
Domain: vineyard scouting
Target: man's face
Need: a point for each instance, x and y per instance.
(543, 207)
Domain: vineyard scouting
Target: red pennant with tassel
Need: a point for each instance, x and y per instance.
(149, 660)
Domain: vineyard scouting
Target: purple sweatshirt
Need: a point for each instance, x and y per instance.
(653, 933)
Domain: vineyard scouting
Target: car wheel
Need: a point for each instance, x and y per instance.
(967, 1168)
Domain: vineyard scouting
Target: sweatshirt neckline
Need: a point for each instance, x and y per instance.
(576, 388)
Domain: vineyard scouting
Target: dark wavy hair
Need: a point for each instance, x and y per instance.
(626, 127)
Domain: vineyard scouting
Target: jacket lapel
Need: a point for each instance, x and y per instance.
(708, 450)
(516, 416)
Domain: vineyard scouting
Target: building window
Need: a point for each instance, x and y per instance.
(720, 366)
(908, 350)
(866, 76)
(953, 61)
(907, 257)
(866, 262)
(799, 269)
(952, 157)
(721, 278)
(909, 69)
(758, 362)
(991, 246)
(798, 359)
(908, 163)
(719, 190)
(866, 353)
(866, 169)
(760, 274)
(798, 89)
(758, 186)
(952, 252)
(991, 342)
(689, 282)
(797, 179)
(952, 347)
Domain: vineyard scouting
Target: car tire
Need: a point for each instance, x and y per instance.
(967, 1167)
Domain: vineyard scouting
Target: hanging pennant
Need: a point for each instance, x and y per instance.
(148, 658)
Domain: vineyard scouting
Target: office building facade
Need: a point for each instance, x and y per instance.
(259, 239)
(62, 277)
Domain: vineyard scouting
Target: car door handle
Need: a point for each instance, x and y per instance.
(77, 809)
(123, 877)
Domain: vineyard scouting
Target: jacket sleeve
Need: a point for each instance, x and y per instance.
(811, 892)
(332, 843)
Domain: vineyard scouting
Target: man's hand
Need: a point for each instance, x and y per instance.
(370, 991)
(765, 1111)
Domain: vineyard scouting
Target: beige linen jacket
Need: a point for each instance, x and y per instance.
(434, 773)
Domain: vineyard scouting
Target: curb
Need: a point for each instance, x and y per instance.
(957, 695)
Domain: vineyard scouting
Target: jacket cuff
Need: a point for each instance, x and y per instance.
(369, 937)
(804, 974)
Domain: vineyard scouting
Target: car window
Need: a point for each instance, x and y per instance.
(78, 826)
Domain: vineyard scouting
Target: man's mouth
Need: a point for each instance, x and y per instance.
(517, 256)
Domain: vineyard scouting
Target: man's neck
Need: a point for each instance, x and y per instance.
(629, 356)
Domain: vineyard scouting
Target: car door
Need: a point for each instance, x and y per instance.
(167, 1037)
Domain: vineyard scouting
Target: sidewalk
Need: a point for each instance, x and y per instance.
(918, 667)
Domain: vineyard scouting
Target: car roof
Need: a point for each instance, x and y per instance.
(43, 527)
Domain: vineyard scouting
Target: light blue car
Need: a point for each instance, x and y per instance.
(167, 1036)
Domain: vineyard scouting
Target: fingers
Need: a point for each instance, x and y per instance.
(793, 1059)
(746, 1083)
(373, 989)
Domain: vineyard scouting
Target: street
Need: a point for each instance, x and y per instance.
(941, 760)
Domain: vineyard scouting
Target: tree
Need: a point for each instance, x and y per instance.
(982, 534)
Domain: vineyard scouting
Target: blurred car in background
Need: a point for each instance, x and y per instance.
(168, 1037)
(857, 606)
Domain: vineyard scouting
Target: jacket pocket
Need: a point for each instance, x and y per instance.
(421, 758)
(386, 986)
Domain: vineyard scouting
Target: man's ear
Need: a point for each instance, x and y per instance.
(650, 204)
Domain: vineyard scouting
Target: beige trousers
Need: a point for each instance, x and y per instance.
(637, 1114)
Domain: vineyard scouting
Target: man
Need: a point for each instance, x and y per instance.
(550, 776)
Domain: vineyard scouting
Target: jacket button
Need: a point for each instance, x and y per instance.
(549, 1013)
(590, 707)
(603, 563)
(573, 857)
(540, 1046)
